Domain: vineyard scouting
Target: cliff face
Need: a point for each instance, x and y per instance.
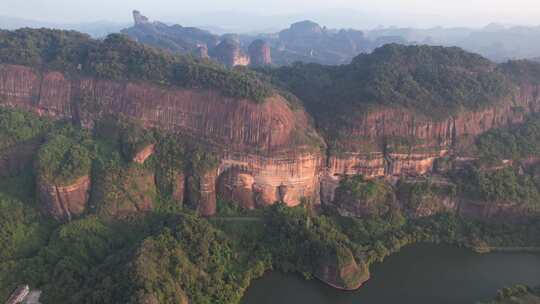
(202, 192)
(64, 202)
(283, 178)
(265, 156)
(426, 139)
(262, 139)
(238, 124)
(259, 53)
(230, 54)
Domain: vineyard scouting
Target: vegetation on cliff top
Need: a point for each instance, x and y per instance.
(66, 155)
(513, 143)
(119, 58)
(368, 197)
(18, 126)
(437, 81)
(518, 294)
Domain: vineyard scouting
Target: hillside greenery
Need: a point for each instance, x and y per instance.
(66, 155)
(17, 126)
(437, 81)
(516, 142)
(119, 58)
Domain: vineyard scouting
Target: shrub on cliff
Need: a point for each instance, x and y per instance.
(498, 186)
(365, 197)
(515, 142)
(66, 155)
(437, 81)
(522, 71)
(119, 58)
(18, 126)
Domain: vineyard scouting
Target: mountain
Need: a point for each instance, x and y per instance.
(303, 41)
(134, 174)
(496, 42)
(96, 29)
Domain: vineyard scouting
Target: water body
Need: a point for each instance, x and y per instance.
(421, 274)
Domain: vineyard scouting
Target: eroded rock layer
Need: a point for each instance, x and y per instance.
(64, 202)
(266, 153)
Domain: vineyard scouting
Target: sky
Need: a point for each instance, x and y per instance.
(348, 13)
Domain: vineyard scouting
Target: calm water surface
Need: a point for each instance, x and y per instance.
(421, 274)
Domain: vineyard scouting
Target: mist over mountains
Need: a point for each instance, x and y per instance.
(498, 42)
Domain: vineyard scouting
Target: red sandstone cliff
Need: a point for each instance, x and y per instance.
(268, 152)
(254, 130)
(64, 202)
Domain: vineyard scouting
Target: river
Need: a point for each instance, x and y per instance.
(420, 274)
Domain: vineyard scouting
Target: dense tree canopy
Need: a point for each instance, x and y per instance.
(119, 58)
(432, 80)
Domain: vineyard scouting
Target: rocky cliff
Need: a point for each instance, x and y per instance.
(269, 141)
(230, 53)
(260, 53)
(264, 161)
(64, 202)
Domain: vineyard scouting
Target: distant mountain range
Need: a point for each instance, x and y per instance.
(305, 41)
(95, 29)
(496, 42)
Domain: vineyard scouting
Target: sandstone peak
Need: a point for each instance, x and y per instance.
(306, 27)
(259, 53)
(229, 53)
(138, 18)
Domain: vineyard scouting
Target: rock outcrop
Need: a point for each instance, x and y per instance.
(341, 271)
(266, 149)
(139, 19)
(141, 156)
(286, 178)
(202, 192)
(259, 53)
(64, 202)
(229, 53)
(255, 136)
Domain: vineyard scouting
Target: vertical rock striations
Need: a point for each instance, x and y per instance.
(229, 53)
(64, 202)
(259, 53)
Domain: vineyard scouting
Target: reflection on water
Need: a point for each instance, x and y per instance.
(418, 274)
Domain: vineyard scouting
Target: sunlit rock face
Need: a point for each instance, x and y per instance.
(264, 156)
(229, 53)
(259, 181)
(260, 53)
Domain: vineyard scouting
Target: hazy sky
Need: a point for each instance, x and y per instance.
(399, 12)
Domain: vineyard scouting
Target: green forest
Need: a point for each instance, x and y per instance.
(141, 238)
(119, 58)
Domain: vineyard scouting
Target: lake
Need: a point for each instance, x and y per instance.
(418, 274)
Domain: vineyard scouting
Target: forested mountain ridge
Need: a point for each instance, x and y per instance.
(125, 169)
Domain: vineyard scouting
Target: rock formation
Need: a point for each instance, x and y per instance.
(259, 53)
(242, 128)
(64, 202)
(201, 51)
(266, 149)
(202, 192)
(229, 53)
(341, 271)
(139, 19)
(175, 38)
(141, 156)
